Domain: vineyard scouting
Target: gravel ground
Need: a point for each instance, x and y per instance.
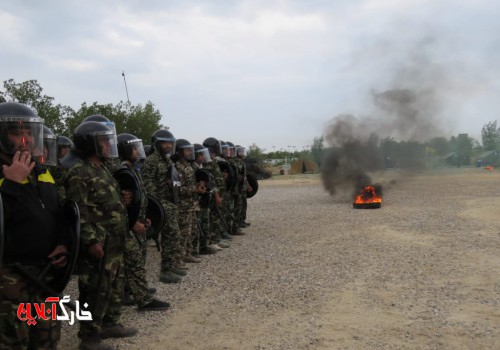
(422, 272)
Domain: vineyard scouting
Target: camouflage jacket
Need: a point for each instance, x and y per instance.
(219, 186)
(157, 179)
(242, 174)
(102, 211)
(187, 193)
(58, 173)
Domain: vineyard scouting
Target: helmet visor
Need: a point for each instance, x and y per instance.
(225, 150)
(49, 156)
(204, 154)
(136, 146)
(187, 152)
(240, 151)
(106, 145)
(22, 134)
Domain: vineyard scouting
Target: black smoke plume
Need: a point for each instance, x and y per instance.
(402, 114)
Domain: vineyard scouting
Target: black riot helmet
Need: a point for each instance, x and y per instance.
(181, 145)
(49, 156)
(127, 143)
(101, 119)
(201, 151)
(160, 136)
(213, 145)
(21, 129)
(95, 138)
(63, 143)
(230, 146)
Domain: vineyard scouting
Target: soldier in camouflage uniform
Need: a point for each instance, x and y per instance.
(201, 159)
(241, 186)
(216, 230)
(131, 151)
(235, 193)
(103, 219)
(227, 208)
(188, 195)
(160, 180)
(64, 145)
(29, 203)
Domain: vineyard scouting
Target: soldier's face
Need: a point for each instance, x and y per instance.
(22, 139)
(63, 151)
(166, 146)
(187, 153)
(105, 146)
(135, 155)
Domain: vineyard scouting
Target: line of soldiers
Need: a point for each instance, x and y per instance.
(201, 190)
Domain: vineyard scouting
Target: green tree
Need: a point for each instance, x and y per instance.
(440, 145)
(490, 135)
(31, 93)
(255, 151)
(318, 149)
(143, 121)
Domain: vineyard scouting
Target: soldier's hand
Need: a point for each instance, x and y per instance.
(139, 228)
(127, 197)
(96, 250)
(249, 188)
(61, 261)
(20, 168)
(200, 188)
(218, 201)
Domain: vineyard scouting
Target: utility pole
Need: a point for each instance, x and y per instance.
(125, 81)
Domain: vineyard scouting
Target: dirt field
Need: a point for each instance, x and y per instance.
(422, 272)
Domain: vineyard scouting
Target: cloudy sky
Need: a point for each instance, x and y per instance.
(267, 72)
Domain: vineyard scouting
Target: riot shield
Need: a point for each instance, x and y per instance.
(128, 181)
(207, 177)
(252, 181)
(156, 214)
(232, 174)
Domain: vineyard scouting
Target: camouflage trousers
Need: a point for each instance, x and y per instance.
(238, 203)
(135, 272)
(170, 239)
(17, 334)
(187, 226)
(228, 212)
(204, 222)
(103, 291)
(216, 225)
(243, 215)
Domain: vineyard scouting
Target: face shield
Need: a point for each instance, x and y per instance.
(22, 134)
(225, 151)
(231, 152)
(49, 156)
(204, 154)
(136, 146)
(187, 152)
(240, 152)
(105, 144)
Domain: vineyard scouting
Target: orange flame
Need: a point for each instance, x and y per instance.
(368, 195)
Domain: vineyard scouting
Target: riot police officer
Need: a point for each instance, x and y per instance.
(161, 181)
(103, 232)
(131, 151)
(29, 203)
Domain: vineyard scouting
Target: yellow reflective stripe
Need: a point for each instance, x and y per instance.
(26, 181)
(47, 177)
